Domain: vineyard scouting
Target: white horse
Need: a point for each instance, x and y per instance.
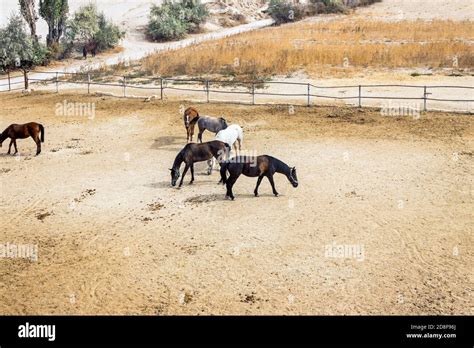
(231, 135)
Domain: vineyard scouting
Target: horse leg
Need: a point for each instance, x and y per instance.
(259, 181)
(192, 173)
(38, 145)
(210, 166)
(184, 174)
(191, 133)
(240, 144)
(270, 178)
(229, 184)
(10, 146)
(200, 135)
(14, 144)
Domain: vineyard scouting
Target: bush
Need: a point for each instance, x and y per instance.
(108, 35)
(283, 12)
(18, 49)
(88, 25)
(333, 6)
(173, 20)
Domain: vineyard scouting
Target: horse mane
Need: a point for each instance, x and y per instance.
(280, 166)
(179, 158)
(190, 110)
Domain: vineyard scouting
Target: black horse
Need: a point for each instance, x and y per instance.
(260, 167)
(192, 153)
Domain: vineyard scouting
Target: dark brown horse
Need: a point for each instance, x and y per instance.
(193, 153)
(190, 117)
(260, 166)
(23, 131)
(89, 47)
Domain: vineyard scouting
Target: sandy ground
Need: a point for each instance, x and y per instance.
(456, 10)
(114, 238)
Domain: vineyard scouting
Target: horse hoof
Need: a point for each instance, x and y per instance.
(256, 194)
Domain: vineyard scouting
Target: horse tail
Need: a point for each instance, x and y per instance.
(42, 132)
(193, 121)
(224, 166)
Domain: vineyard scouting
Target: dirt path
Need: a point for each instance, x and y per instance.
(114, 238)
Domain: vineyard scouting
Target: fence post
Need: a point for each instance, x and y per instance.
(88, 83)
(124, 85)
(424, 98)
(207, 90)
(360, 96)
(161, 88)
(57, 83)
(309, 94)
(9, 84)
(253, 93)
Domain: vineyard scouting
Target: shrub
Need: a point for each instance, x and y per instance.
(108, 35)
(333, 6)
(173, 20)
(18, 49)
(283, 12)
(88, 25)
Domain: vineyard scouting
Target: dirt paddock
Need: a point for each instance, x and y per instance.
(381, 222)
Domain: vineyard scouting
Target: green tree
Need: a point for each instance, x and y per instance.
(54, 12)
(173, 20)
(18, 50)
(88, 25)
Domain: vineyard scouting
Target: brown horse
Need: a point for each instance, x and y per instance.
(89, 47)
(191, 115)
(23, 131)
(192, 153)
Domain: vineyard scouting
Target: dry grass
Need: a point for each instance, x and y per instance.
(337, 46)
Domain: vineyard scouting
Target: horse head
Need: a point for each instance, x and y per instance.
(174, 176)
(293, 178)
(223, 122)
(190, 114)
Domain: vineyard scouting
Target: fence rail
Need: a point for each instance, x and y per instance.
(253, 89)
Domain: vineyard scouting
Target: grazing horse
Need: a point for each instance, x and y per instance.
(260, 167)
(231, 135)
(189, 115)
(192, 153)
(23, 131)
(89, 47)
(212, 124)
